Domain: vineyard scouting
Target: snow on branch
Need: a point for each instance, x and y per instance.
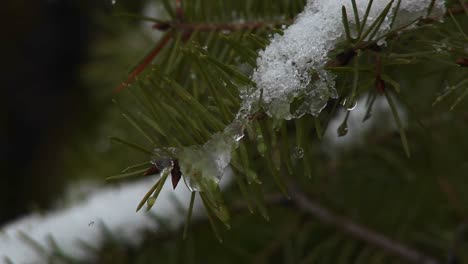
(284, 68)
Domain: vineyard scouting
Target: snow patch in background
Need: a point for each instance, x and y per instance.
(155, 10)
(112, 206)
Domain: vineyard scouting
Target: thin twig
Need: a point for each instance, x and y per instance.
(306, 205)
(187, 29)
(363, 233)
(147, 60)
(252, 25)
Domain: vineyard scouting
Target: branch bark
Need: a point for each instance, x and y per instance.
(302, 202)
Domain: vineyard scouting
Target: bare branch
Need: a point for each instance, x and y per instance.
(363, 233)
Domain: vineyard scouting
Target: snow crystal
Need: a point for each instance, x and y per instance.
(284, 68)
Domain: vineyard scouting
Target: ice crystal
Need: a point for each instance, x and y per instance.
(162, 158)
(284, 67)
(202, 166)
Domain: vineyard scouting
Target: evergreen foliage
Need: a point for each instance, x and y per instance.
(397, 197)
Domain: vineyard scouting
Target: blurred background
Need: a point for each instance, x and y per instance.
(62, 60)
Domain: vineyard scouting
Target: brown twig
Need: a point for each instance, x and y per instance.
(309, 207)
(217, 26)
(147, 60)
(188, 29)
(178, 10)
(459, 9)
(360, 232)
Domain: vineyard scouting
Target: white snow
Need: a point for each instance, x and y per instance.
(283, 68)
(153, 9)
(112, 206)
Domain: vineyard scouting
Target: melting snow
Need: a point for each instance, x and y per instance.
(284, 72)
(284, 67)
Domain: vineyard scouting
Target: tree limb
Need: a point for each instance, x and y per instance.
(363, 233)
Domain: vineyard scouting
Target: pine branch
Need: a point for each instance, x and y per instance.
(198, 56)
(250, 25)
(303, 203)
(178, 24)
(146, 61)
(363, 233)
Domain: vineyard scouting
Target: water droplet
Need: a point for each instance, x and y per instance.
(343, 129)
(298, 153)
(283, 27)
(161, 158)
(352, 106)
(349, 106)
(203, 166)
(113, 2)
(193, 76)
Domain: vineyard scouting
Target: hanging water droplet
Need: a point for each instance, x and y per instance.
(283, 27)
(113, 2)
(192, 183)
(193, 76)
(161, 159)
(203, 166)
(342, 129)
(298, 153)
(352, 106)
